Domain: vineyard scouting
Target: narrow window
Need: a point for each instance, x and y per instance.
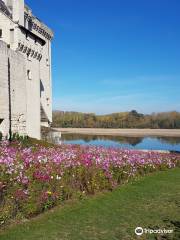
(0, 33)
(12, 36)
(29, 74)
(48, 100)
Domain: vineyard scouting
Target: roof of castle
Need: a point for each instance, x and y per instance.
(29, 15)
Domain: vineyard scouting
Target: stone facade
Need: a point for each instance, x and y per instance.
(25, 70)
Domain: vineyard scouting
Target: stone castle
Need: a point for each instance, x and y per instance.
(25, 71)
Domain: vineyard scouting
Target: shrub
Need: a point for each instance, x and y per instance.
(35, 178)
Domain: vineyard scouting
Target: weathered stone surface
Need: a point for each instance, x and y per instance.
(17, 90)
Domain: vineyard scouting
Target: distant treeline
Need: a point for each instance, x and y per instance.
(131, 119)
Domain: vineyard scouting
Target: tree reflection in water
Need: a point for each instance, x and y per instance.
(171, 140)
(57, 138)
(88, 138)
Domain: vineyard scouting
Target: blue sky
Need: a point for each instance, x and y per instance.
(114, 55)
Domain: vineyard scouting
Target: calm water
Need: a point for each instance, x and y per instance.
(149, 143)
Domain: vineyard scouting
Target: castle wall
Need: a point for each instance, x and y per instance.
(17, 73)
(33, 98)
(45, 76)
(32, 79)
(4, 101)
(18, 92)
(6, 24)
(30, 70)
(41, 30)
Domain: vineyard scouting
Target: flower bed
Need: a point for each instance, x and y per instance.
(33, 179)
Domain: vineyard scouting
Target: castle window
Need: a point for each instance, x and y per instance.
(12, 36)
(47, 62)
(29, 74)
(0, 33)
(48, 101)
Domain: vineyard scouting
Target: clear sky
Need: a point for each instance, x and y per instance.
(114, 55)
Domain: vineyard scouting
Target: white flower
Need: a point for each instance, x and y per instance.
(58, 177)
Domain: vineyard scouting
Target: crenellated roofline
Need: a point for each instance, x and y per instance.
(37, 24)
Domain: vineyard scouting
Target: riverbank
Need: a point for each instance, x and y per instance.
(122, 132)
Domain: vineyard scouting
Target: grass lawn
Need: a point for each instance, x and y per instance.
(151, 202)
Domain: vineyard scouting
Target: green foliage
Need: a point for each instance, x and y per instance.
(20, 138)
(151, 202)
(131, 119)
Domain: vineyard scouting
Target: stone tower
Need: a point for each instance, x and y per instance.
(25, 72)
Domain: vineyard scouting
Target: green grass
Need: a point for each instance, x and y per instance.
(152, 201)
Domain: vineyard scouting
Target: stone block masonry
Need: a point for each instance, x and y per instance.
(12, 98)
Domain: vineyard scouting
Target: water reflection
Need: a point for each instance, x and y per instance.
(89, 138)
(155, 143)
(52, 137)
(171, 140)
